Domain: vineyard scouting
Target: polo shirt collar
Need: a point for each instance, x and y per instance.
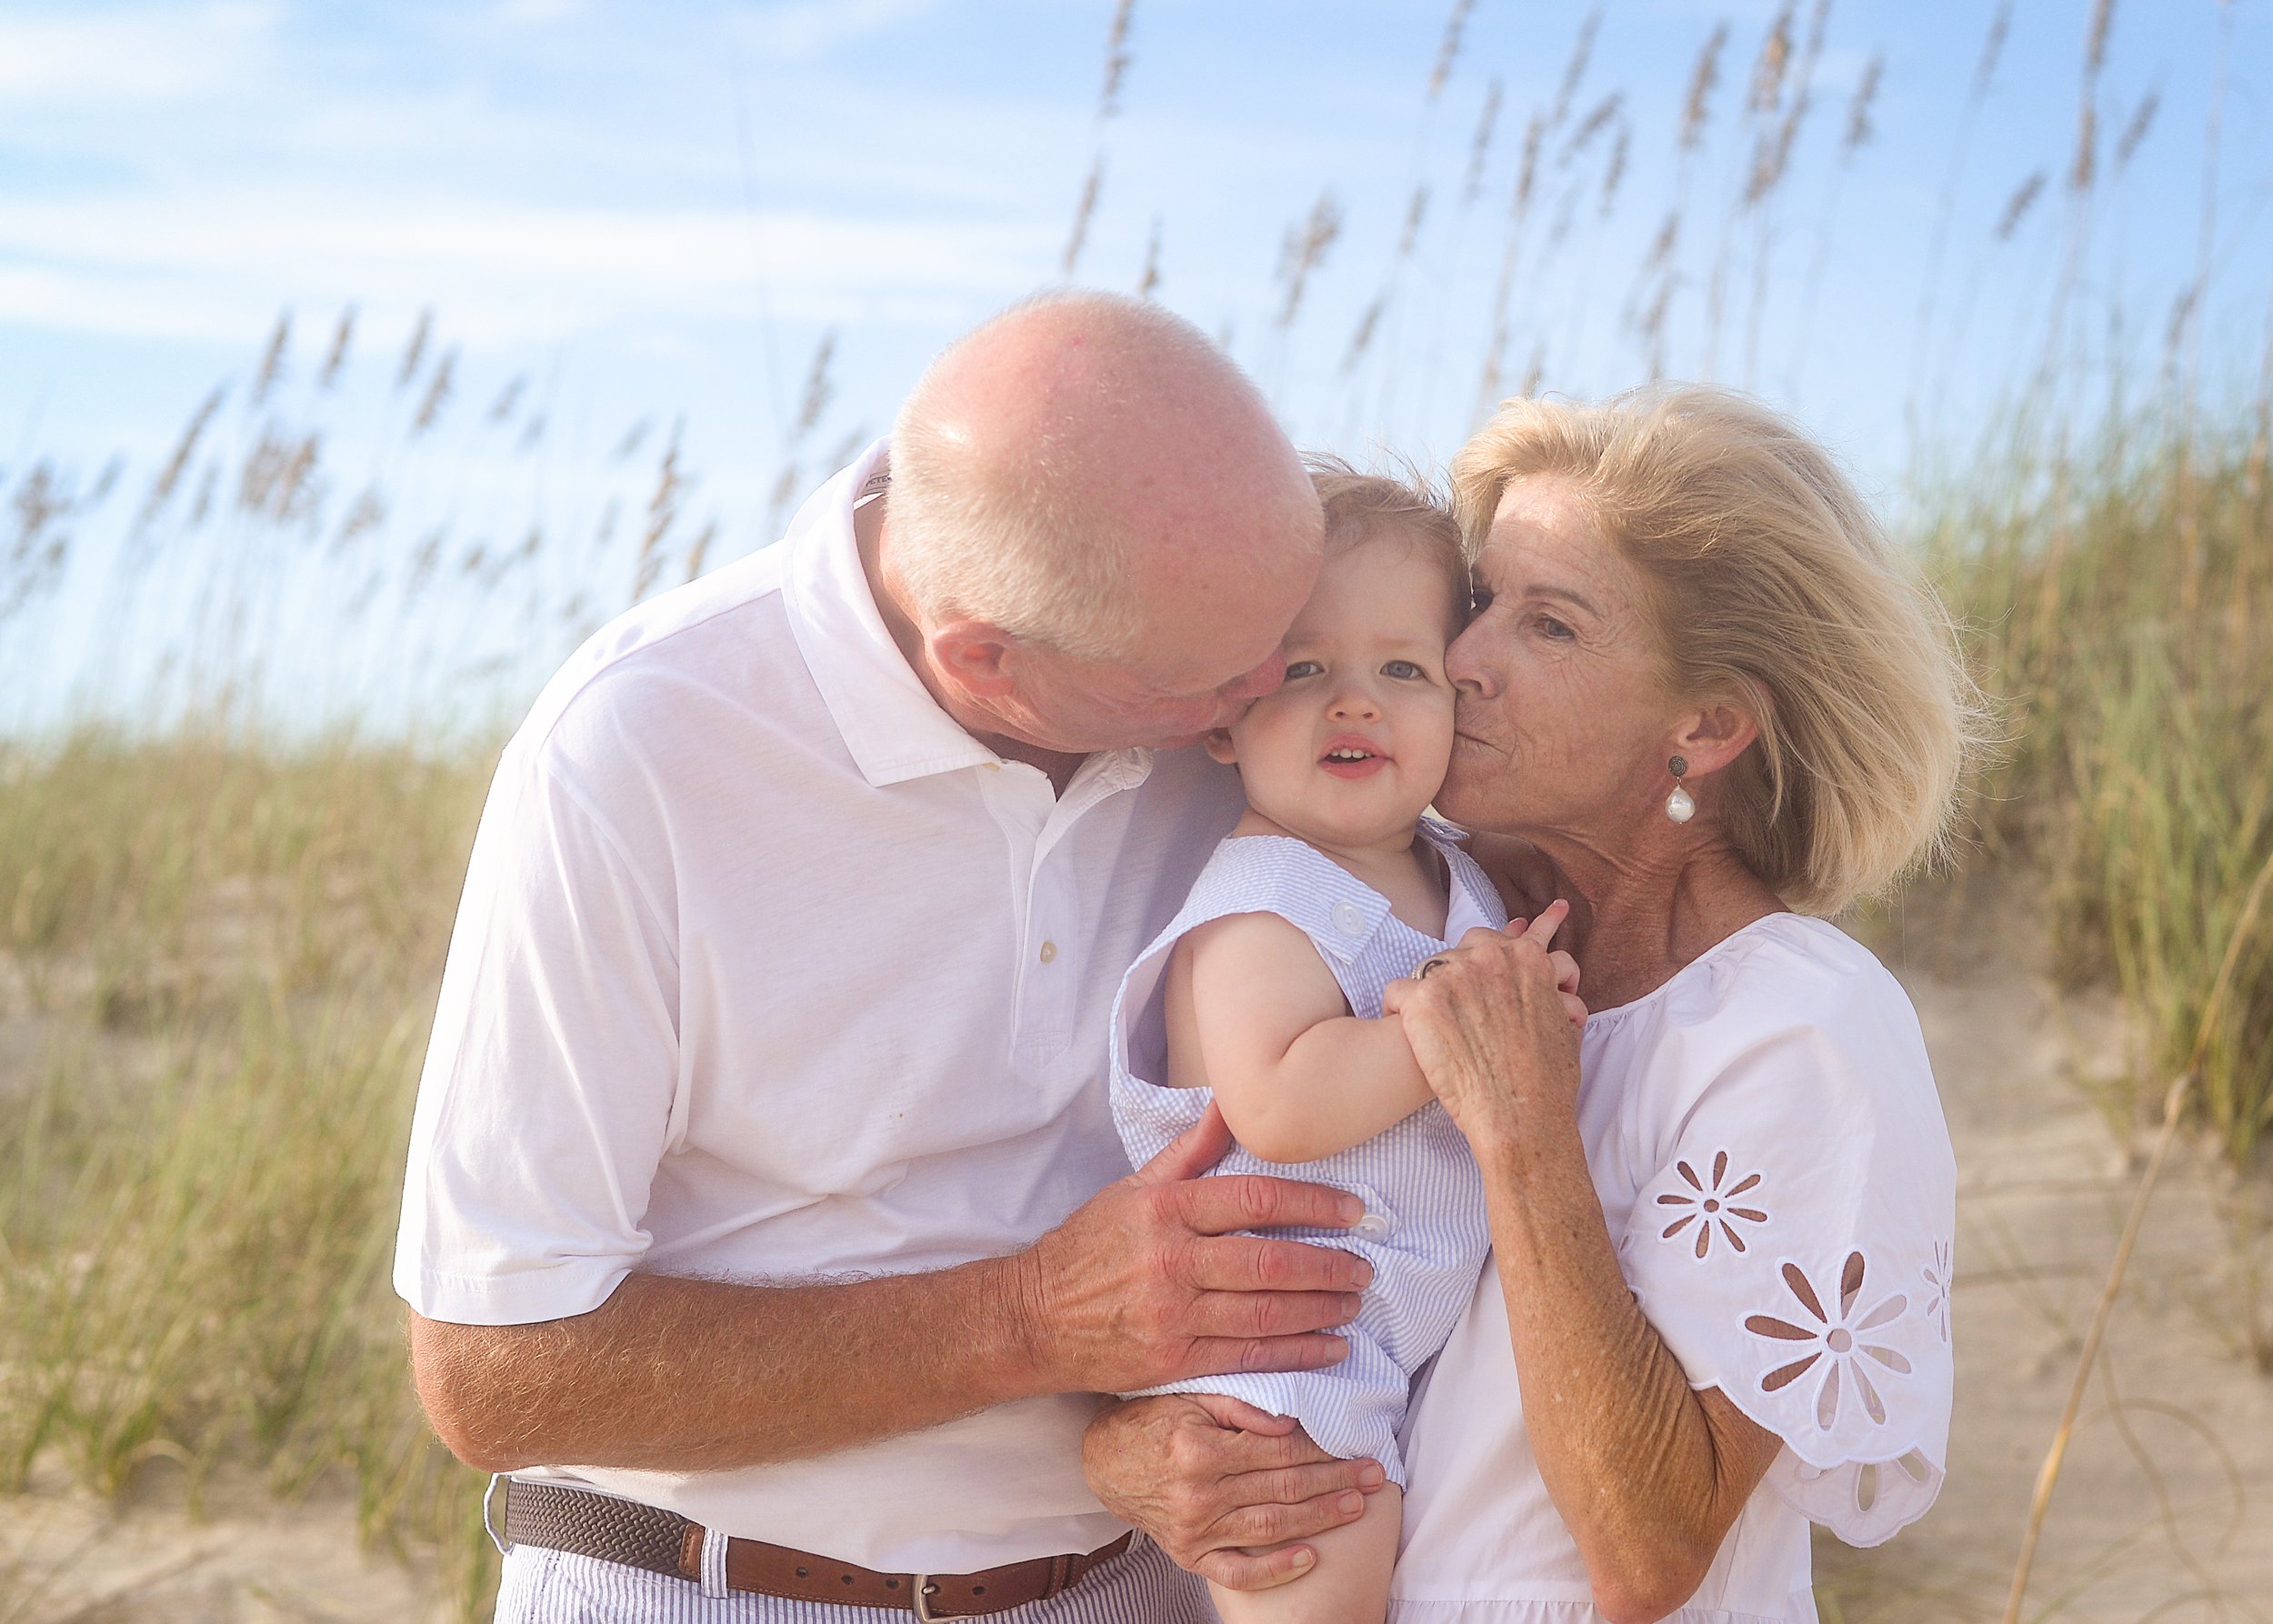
(888, 720)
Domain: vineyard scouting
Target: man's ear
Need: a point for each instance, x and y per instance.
(1220, 747)
(975, 655)
(1711, 739)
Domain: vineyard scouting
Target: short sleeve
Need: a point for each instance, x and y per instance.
(1793, 1248)
(550, 1080)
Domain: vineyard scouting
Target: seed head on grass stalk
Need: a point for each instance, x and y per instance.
(1481, 144)
(2018, 206)
(2135, 129)
(169, 474)
(1535, 136)
(699, 551)
(1448, 48)
(415, 351)
(819, 389)
(271, 360)
(1304, 251)
(1767, 91)
(1117, 58)
(1614, 170)
(1574, 68)
(437, 394)
(1085, 209)
(335, 358)
(663, 510)
(1598, 118)
(1696, 106)
(1859, 129)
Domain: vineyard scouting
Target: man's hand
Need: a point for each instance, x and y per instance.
(1213, 1480)
(1147, 1282)
(1143, 1284)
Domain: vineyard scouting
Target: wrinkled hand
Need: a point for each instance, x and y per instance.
(1222, 1487)
(1497, 1022)
(1148, 1283)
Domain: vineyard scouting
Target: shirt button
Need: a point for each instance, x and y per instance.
(1373, 1225)
(1349, 918)
(1049, 952)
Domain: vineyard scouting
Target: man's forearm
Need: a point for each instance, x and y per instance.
(691, 1375)
(1145, 1283)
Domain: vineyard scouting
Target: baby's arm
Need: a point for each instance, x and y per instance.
(1254, 1013)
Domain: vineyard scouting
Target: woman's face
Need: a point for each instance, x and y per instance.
(1563, 722)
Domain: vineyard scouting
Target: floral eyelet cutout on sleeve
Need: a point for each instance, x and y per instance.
(1793, 1244)
(1717, 1205)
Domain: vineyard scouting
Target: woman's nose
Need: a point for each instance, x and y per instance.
(1466, 670)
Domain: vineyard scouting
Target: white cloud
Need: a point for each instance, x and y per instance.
(207, 267)
(104, 57)
(800, 30)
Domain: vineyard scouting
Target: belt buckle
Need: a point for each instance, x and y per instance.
(921, 1602)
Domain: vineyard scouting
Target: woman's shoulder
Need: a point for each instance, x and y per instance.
(1782, 971)
(1786, 996)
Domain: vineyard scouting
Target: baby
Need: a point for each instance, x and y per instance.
(1265, 993)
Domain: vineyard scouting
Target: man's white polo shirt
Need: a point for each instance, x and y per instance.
(767, 969)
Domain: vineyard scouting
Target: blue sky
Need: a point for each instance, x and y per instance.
(659, 210)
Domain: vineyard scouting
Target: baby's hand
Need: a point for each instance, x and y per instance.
(1540, 930)
(1565, 966)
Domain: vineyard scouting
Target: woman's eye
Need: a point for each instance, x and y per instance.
(1556, 629)
(1405, 669)
(1300, 668)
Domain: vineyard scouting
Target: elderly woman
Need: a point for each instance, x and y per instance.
(1705, 697)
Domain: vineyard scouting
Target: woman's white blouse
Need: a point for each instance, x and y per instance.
(1771, 1157)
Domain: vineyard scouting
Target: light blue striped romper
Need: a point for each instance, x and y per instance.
(1424, 1230)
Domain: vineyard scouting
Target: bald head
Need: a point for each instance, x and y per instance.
(1090, 473)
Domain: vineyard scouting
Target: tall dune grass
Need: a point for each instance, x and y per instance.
(2123, 602)
(226, 954)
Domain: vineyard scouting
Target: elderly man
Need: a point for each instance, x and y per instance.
(764, 1217)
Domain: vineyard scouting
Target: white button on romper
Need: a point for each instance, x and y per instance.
(1424, 1230)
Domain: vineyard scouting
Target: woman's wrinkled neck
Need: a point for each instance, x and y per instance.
(1645, 904)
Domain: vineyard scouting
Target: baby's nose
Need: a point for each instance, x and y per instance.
(1354, 702)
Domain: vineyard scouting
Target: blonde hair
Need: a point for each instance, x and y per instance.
(1772, 585)
(1023, 549)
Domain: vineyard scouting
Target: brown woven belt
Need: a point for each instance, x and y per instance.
(558, 1517)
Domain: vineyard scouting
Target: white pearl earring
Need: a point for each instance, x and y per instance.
(1680, 805)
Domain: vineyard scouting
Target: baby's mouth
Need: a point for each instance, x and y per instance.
(1352, 760)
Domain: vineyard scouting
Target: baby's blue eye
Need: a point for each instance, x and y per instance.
(1403, 668)
(1295, 668)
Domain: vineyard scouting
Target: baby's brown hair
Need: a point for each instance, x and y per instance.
(1361, 506)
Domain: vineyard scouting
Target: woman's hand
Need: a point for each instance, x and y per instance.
(1494, 1023)
(1213, 1480)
